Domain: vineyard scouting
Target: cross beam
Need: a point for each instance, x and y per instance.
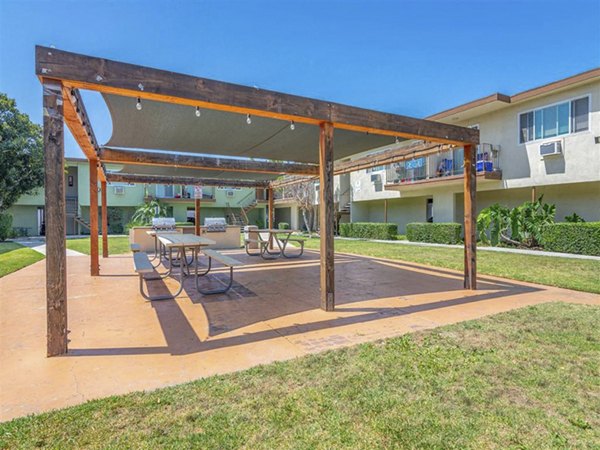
(107, 76)
(191, 181)
(113, 155)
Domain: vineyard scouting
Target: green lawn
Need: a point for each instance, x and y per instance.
(581, 275)
(14, 256)
(117, 245)
(523, 379)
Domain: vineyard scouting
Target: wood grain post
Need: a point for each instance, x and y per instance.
(104, 220)
(94, 260)
(197, 217)
(326, 216)
(470, 189)
(271, 214)
(56, 253)
(385, 210)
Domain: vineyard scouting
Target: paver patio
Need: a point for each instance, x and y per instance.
(120, 343)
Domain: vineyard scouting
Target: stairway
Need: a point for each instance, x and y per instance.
(82, 222)
(346, 208)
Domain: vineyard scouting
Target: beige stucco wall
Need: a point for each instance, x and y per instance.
(522, 165)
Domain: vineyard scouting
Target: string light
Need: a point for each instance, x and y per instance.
(292, 125)
(397, 140)
(138, 105)
(248, 119)
(198, 113)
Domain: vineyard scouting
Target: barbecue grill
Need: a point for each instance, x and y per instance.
(214, 224)
(163, 224)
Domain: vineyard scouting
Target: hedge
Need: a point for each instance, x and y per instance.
(438, 233)
(283, 226)
(581, 238)
(366, 230)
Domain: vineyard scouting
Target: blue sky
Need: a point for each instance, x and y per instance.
(408, 57)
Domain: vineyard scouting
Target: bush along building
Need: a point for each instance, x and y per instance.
(239, 206)
(543, 141)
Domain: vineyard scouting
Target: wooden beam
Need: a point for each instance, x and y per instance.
(112, 155)
(385, 210)
(94, 260)
(326, 216)
(470, 190)
(271, 213)
(79, 123)
(385, 157)
(103, 75)
(56, 253)
(104, 220)
(189, 181)
(197, 217)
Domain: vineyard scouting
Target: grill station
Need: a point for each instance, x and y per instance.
(215, 224)
(163, 224)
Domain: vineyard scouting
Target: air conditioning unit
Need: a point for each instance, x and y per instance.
(229, 194)
(119, 190)
(376, 178)
(551, 148)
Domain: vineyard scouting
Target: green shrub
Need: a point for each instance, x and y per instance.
(283, 226)
(366, 230)
(5, 226)
(582, 238)
(438, 233)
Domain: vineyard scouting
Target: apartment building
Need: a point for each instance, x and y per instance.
(236, 205)
(543, 141)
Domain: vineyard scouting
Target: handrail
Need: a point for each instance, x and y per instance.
(251, 192)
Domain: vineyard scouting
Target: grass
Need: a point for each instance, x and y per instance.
(523, 379)
(581, 275)
(15, 256)
(117, 245)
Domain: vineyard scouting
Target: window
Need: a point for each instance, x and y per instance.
(375, 169)
(580, 109)
(555, 120)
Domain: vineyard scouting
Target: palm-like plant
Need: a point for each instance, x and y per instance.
(522, 225)
(144, 214)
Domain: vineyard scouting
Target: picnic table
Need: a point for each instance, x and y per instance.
(266, 238)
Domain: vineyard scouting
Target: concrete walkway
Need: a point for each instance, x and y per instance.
(39, 245)
(481, 248)
(120, 343)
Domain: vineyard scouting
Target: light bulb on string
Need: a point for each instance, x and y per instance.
(198, 113)
(248, 119)
(292, 125)
(138, 105)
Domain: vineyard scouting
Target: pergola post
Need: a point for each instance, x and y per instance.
(470, 189)
(94, 260)
(326, 216)
(56, 254)
(271, 213)
(104, 220)
(197, 217)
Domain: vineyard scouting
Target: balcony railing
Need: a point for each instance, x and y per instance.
(440, 165)
(163, 191)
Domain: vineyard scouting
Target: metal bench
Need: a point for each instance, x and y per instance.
(223, 259)
(135, 247)
(143, 267)
(264, 248)
(298, 241)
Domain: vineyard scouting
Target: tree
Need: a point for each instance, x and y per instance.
(21, 154)
(303, 193)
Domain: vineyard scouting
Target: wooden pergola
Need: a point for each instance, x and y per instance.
(63, 74)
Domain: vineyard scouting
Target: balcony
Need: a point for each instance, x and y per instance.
(178, 192)
(442, 167)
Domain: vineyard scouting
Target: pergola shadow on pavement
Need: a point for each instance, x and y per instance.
(181, 129)
(119, 343)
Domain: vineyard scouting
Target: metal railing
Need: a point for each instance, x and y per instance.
(443, 164)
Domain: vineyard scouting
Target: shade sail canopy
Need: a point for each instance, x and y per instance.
(174, 127)
(173, 171)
